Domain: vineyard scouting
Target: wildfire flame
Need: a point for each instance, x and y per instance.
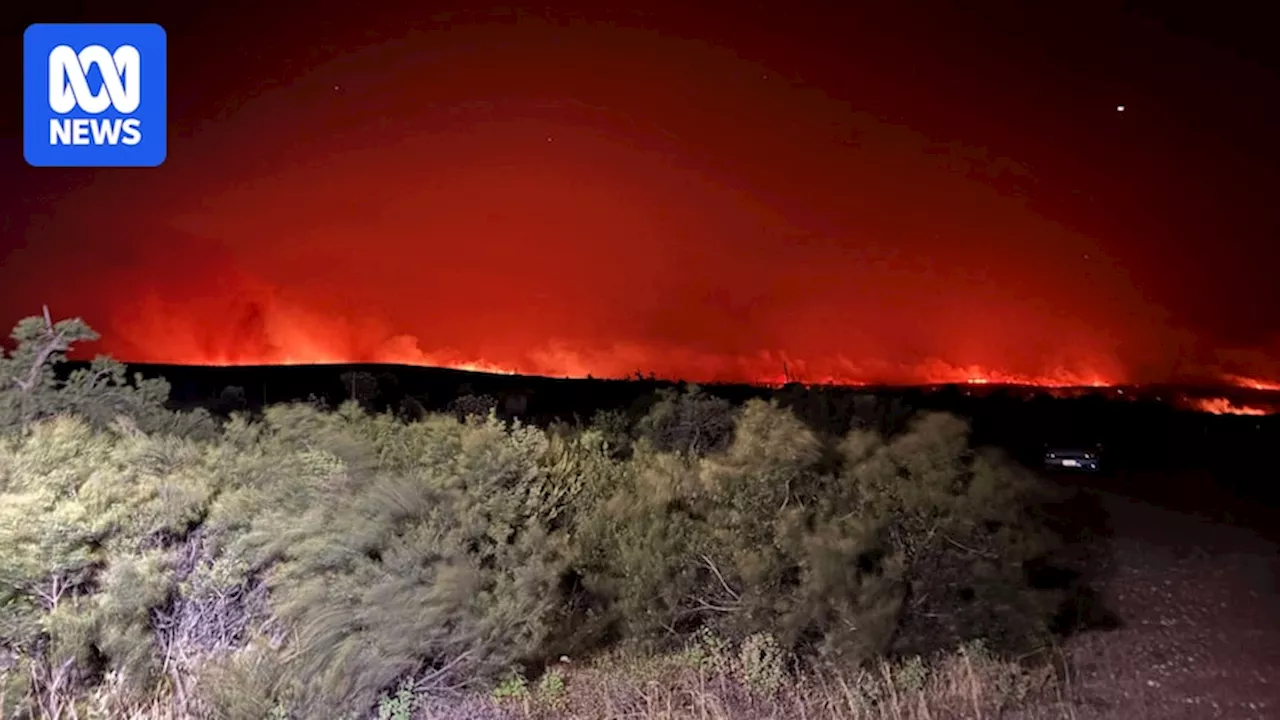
(1223, 406)
(1252, 383)
(272, 332)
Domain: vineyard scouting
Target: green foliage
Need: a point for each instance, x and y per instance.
(30, 389)
(87, 519)
(399, 706)
(247, 685)
(911, 674)
(40, 346)
(514, 687)
(691, 422)
(440, 563)
(614, 427)
(963, 523)
(761, 663)
(765, 538)
(706, 651)
(551, 685)
(314, 563)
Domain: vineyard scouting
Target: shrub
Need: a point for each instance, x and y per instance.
(88, 520)
(437, 565)
(316, 563)
(763, 538)
(30, 388)
(614, 427)
(733, 541)
(691, 422)
(468, 405)
(964, 526)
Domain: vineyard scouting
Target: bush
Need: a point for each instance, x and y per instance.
(963, 526)
(468, 405)
(764, 538)
(89, 521)
(614, 427)
(438, 566)
(30, 388)
(691, 422)
(315, 563)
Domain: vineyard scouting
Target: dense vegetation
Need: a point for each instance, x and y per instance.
(310, 563)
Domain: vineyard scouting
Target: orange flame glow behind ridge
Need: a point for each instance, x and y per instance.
(511, 194)
(273, 333)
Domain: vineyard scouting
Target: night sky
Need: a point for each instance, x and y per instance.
(918, 194)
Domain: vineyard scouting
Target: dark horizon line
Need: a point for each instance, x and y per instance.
(1188, 385)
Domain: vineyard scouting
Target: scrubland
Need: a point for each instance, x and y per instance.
(702, 561)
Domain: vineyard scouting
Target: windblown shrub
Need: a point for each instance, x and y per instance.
(88, 520)
(309, 562)
(735, 542)
(964, 524)
(764, 538)
(441, 566)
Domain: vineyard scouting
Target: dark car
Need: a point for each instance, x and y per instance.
(1087, 459)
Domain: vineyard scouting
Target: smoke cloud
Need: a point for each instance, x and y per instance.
(576, 198)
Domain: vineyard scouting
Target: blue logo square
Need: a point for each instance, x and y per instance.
(94, 95)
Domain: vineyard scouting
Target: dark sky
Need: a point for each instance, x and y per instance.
(702, 190)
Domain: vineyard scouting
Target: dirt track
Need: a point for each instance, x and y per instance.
(1200, 620)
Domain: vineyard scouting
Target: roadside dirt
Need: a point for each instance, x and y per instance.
(1199, 611)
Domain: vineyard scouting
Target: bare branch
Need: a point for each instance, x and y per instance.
(54, 342)
(723, 583)
(968, 549)
(702, 604)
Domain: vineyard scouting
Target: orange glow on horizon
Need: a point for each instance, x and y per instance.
(569, 198)
(272, 332)
(278, 333)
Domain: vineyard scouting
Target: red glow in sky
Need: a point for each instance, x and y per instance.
(571, 198)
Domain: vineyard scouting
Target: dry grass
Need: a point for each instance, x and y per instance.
(964, 685)
(698, 686)
(686, 686)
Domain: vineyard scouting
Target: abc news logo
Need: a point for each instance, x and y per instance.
(94, 95)
(69, 89)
